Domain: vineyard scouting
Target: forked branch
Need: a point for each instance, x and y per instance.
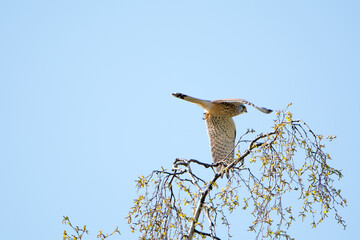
(171, 202)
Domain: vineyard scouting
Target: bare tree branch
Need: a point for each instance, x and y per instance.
(182, 202)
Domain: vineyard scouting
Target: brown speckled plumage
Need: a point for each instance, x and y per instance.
(220, 125)
(222, 133)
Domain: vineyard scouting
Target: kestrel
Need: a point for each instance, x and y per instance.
(220, 125)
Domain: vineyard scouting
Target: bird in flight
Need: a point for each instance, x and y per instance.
(220, 125)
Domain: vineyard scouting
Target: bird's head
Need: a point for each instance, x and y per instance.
(243, 109)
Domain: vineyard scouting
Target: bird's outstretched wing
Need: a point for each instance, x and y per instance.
(243, 101)
(222, 132)
(203, 103)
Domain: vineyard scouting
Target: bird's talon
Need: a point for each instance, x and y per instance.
(206, 116)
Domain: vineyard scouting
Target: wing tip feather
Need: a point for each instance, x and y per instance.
(179, 95)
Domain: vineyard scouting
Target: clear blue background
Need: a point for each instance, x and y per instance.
(86, 105)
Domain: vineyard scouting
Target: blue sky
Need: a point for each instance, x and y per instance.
(86, 105)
